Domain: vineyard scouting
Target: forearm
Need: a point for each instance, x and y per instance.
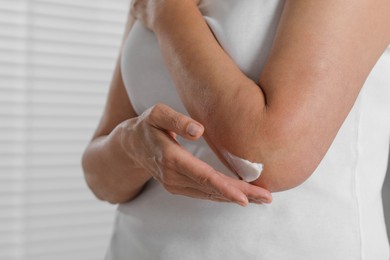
(213, 89)
(110, 173)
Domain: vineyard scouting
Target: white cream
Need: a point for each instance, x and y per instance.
(248, 171)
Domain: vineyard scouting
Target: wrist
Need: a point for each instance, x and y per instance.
(124, 133)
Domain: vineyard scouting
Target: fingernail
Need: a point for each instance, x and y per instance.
(267, 199)
(193, 129)
(243, 201)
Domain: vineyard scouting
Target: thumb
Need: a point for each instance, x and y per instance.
(166, 118)
(194, 129)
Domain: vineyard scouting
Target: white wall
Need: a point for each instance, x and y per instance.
(56, 62)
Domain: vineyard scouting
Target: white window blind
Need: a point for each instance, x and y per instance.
(56, 61)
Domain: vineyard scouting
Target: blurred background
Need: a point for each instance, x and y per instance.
(56, 62)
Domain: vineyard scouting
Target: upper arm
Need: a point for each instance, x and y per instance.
(118, 107)
(321, 57)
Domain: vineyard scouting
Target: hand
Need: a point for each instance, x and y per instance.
(145, 10)
(150, 141)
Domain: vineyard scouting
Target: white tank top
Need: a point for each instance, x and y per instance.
(336, 214)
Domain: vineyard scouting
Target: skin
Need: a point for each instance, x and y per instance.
(321, 57)
(128, 150)
(290, 121)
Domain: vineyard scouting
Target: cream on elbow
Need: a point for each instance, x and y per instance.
(248, 171)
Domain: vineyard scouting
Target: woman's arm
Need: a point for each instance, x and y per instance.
(322, 54)
(106, 166)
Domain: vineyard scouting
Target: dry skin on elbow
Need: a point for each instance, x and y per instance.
(248, 171)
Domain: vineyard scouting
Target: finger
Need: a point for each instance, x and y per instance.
(168, 175)
(206, 178)
(253, 192)
(197, 194)
(163, 168)
(164, 117)
(205, 175)
(188, 187)
(184, 181)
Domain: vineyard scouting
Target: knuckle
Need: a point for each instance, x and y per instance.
(168, 159)
(225, 185)
(178, 122)
(159, 106)
(209, 196)
(245, 187)
(204, 179)
(156, 112)
(209, 176)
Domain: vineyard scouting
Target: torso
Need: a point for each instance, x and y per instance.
(321, 219)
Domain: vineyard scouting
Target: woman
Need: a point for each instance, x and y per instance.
(275, 89)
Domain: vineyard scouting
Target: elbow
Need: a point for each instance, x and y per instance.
(289, 166)
(84, 165)
(114, 200)
(92, 180)
(285, 170)
(288, 156)
(282, 177)
(100, 192)
(288, 169)
(100, 181)
(89, 176)
(275, 173)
